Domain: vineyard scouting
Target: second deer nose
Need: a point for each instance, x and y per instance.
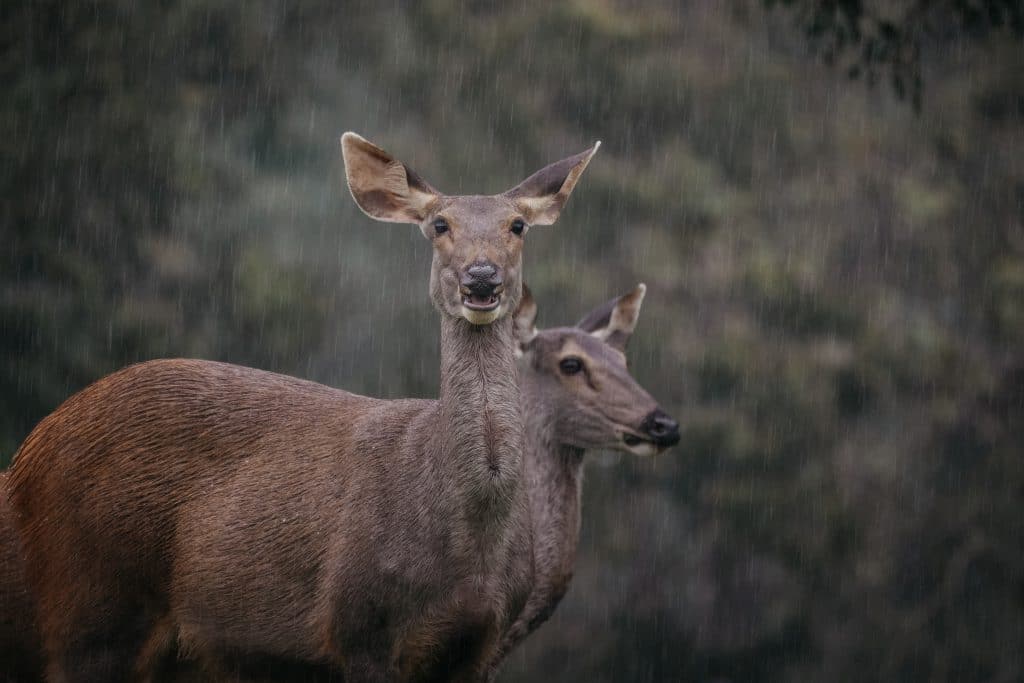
(661, 428)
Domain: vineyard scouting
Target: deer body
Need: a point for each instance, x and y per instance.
(241, 514)
(327, 532)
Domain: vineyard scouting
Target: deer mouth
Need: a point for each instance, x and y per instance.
(484, 304)
(639, 445)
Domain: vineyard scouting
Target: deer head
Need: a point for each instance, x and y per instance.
(477, 239)
(580, 374)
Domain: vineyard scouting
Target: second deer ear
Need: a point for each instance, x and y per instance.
(615, 320)
(525, 320)
(383, 187)
(540, 197)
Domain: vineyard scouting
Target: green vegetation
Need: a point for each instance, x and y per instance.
(835, 303)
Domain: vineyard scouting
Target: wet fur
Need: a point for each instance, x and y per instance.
(20, 650)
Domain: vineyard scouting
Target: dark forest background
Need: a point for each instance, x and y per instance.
(825, 199)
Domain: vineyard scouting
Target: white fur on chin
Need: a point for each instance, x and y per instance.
(644, 448)
(482, 317)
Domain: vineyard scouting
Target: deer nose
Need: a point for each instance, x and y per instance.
(662, 429)
(482, 278)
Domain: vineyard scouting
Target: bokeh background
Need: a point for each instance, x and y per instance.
(825, 199)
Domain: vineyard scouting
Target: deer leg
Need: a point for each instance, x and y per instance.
(469, 654)
(93, 628)
(100, 651)
(365, 654)
(369, 667)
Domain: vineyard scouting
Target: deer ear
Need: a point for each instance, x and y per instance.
(524, 320)
(615, 320)
(383, 187)
(540, 197)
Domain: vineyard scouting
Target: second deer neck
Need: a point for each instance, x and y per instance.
(554, 481)
(481, 428)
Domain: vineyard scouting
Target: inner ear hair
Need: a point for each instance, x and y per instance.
(383, 187)
(541, 197)
(614, 321)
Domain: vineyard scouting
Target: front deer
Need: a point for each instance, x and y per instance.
(253, 517)
(577, 395)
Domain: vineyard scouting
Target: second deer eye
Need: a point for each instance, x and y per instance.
(570, 365)
(518, 226)
(440, 226)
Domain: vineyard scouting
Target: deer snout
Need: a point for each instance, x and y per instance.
(481, 276)
(661, 428)
(481, 285)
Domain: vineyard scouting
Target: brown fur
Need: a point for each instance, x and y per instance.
(20, 650)
(249, 516)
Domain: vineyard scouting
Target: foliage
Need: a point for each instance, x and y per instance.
(876, 39)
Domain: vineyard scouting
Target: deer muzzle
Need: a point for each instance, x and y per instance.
(662, 429)
(481, 287)
(657, 432)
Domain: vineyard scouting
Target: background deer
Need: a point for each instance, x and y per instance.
(577, 395)
(239, 513)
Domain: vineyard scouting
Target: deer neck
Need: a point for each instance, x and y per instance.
(481, 431)
(554, 482)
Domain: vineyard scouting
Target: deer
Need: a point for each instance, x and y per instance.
(20, 650)
(240, 515)
(577, 395)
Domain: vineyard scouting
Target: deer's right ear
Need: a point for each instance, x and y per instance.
(524, 321)
(540, 197)
(383, 187)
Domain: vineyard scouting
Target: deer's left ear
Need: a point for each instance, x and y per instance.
(615, 320)
(524, 321)
(540, 197)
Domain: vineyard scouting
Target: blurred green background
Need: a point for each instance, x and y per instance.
(835, 274)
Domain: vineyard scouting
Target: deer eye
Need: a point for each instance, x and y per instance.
(440, 226)
(518, 226)
(570, 365)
